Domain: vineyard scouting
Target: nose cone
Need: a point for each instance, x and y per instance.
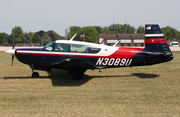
(10, 52)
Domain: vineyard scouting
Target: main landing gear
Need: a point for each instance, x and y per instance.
(77, 74)
(35, 75)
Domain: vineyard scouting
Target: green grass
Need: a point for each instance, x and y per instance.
(151, 91)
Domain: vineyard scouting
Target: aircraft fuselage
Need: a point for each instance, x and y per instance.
(77, 57)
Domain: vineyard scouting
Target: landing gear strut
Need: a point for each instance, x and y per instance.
(35, 75)
(77, 74)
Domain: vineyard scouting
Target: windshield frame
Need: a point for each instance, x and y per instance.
(50, 46)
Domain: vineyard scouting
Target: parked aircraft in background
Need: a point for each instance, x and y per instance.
(76, 57)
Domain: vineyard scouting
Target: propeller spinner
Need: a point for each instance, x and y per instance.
(11, 52)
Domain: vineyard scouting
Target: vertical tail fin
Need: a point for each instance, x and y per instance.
(156, 44)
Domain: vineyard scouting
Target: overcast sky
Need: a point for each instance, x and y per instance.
(35, 15)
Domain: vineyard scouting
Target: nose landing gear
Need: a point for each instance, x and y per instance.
(34, 74)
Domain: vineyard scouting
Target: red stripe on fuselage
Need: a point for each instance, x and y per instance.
(155, 40)
(122, 52)
(125, 52)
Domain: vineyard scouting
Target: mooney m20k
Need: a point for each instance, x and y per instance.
(77, 57)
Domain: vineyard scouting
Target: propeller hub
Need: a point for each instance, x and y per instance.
(10, 52)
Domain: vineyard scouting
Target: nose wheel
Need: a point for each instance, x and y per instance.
(35, 75)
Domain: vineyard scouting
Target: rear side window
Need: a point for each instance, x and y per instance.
(78, 48)
(94, 50)
(83, 49)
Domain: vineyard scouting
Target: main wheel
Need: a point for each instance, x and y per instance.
(35, 75)
(78, 74)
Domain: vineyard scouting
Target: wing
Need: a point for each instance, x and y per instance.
(73, 63)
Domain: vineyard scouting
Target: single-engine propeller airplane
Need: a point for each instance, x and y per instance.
(77, 57)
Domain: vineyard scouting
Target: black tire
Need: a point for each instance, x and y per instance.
(75, 77)
(78, 74)
(70, 72)
(35, 75)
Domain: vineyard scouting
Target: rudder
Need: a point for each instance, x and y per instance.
(156, 44)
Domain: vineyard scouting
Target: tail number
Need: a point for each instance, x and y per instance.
(114, 62)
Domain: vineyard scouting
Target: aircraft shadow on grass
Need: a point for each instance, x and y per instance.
(61, 78)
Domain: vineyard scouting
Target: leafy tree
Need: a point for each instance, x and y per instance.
(140, 29)
(107, 30)
(54, 36)
(115, 28)
(170, 33)
(36, 38)
(126, 28)
(98, 29)
(118, 28)
(4, 38)
(178, 35)
(40, 33)
(28, 37)
(46, 39)
(73, 30)
(18, 34)
(91, 34)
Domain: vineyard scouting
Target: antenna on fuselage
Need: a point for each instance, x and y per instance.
(73, 37)
(115, 44)
(102, 42)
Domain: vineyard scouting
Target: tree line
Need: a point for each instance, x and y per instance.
(90, 34)
(20, 37)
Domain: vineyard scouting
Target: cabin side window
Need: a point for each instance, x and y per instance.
(94, 50)
(83, 49)
(61, 47)
(78, 48)
(64, 47)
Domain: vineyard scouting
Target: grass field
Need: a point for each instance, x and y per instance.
(147, 91)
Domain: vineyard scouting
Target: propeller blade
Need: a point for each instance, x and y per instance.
(13, 42)
(14, 51)
(12, 60)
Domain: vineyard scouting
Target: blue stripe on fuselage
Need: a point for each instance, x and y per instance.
(48, 61)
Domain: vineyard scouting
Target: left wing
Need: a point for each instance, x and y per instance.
(73, 63)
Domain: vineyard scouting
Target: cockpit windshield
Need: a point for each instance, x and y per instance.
(49, 46)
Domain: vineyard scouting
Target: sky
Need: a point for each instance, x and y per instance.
(57, 15)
